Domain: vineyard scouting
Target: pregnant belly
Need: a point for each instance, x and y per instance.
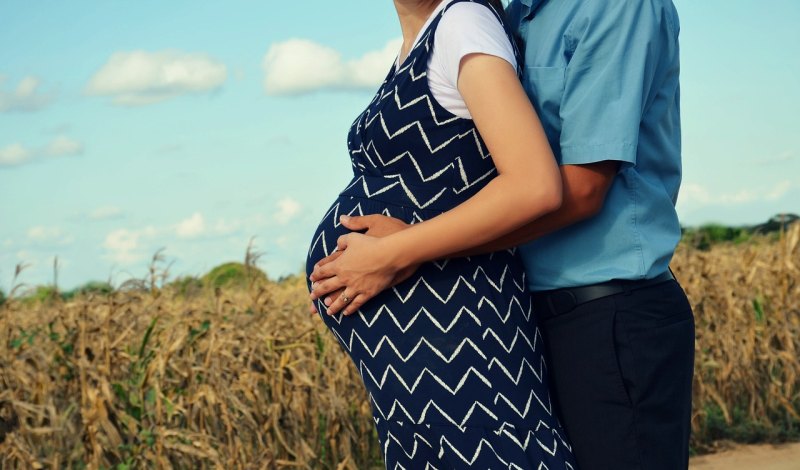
(330, 229)
(483, 283)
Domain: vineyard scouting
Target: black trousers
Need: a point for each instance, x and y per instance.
(621, 375)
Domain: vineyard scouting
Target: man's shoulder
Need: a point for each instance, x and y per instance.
(606, 7)
(625, 14)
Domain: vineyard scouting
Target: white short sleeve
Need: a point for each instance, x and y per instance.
(465, 28)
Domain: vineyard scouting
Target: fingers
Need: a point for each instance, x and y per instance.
(337, 302)
(312, 309)
(318, 273)
(341, 243)
(330, 298)
(341, 302)
(356, 304)
(322, 288)
(356, 222)
(322, 273)
(331, 257)
(322, 269)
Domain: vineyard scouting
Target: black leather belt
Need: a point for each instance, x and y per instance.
(555, 302)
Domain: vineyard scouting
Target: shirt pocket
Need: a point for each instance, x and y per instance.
(545, 88)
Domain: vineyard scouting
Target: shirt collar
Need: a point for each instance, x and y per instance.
(530, 6)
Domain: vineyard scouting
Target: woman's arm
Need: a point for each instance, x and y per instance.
(528, 185)
(585, 188)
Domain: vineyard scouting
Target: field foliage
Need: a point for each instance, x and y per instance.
(229, 371)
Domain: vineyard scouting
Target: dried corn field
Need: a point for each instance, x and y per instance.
(244, 378)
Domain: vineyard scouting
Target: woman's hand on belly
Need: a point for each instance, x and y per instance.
(376, 225)
(363, 269)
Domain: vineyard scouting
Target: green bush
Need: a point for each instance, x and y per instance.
(91, 287)
(2, 297)
(707, 235)
(186, 286)
(743, 428)
(233, 275)
(40, 294)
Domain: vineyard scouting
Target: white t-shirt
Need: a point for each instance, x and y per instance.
(465, 28)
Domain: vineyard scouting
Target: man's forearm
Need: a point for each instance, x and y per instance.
(567, 215)
(585, 189)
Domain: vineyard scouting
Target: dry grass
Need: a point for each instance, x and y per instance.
(746, 300)
(148, 377)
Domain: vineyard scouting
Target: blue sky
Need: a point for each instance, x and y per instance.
(130, 126)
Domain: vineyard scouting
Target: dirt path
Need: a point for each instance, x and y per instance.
(762, 457)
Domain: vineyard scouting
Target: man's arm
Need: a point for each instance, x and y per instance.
(584, 192)
(585, 188)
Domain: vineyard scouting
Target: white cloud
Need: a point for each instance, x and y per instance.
(14, 154)
(41, 234)
(124, 246)
(226, 227)
(105, 212)
(288, 209)
(197, 226)
(299, 66)
(283, 241)
(61, 146)
(130, 245)
(192, 227)
(784, 157)
(779, 191)
(25, 97)
(693, 195)
(139, 77)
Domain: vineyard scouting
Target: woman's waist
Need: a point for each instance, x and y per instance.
(395, 190)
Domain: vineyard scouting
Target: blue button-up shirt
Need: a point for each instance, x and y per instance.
(603, 76)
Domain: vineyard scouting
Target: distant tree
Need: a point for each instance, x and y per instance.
(186, 286)
(40, 294)
(290, 278)
(707, 235)
(233, 274)
(91, 287)
(2, 297)
(96, 287)
(776, 223)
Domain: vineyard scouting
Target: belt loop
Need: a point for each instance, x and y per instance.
(626, 286)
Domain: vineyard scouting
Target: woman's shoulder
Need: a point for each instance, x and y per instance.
(467, 27)
(467, 16)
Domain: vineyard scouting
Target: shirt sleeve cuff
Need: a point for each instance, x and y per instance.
(585, 154)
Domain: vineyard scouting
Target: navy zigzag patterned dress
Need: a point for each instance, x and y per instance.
(451, 358)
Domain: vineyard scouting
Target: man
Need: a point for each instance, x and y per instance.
(603, 76)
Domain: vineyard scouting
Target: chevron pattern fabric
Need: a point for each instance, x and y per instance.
(451, 358)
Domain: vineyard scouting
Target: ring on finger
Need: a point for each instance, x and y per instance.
(345, 298)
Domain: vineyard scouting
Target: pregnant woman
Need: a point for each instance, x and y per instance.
(451, 357)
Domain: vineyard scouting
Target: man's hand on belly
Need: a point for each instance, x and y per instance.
(376, 225)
